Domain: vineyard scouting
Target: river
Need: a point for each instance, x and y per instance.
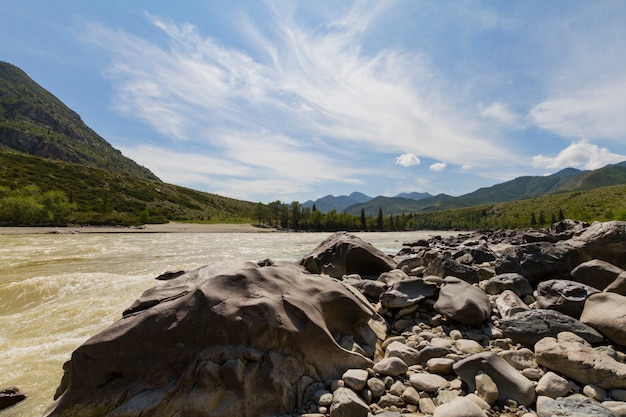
(57, 290)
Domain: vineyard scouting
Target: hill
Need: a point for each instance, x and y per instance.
(338, 203)
(105, 197)
(520, 188)
(35, 122)
(55, 169)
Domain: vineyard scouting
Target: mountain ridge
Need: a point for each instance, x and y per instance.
(35, 122)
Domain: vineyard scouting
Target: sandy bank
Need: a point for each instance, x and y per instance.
(172, 227)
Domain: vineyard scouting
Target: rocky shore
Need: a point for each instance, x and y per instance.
(504, 323)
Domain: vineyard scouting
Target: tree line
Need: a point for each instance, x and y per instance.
(294, 216)
(29, 206)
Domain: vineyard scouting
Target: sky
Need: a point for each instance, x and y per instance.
(294, 100)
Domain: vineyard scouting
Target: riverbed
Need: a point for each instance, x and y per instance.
(58, 289)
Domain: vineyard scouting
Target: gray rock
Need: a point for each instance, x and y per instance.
(537, 261)
(443, 266)
(605, 241)
(565, 296)
(462, 302)
(511, 384)
(238, 343)
(596, 273)
(486, 389)
(509, 281)
(346, 403)
(508, 303)
(409, 355)
(581, 363)
(573, 406)
(459, 407)
(519, 359)
(355, 378)
(528, 327)
(619, 285)
(407, 292)
(391, 367)
(428, 382)
(606, 312)
(552, 385)
(343, 254)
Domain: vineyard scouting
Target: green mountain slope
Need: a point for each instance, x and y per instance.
(35, 122)
(569, 179)
(101, 196)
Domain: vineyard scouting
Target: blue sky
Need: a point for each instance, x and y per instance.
(287, 101)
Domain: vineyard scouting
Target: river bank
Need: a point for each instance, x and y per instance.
(172, 227)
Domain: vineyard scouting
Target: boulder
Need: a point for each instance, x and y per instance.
(552, 385)
(404, 293)
(428, 382)
(596, 273)
(509, 281)
(606, 312)
(619, 285)
(573, 406)
(528, 327)
(508, 304)
(511, 384)
(567, 297)
(605, 241)
(459, 407)
(344, 253)
(391, 366)
(247, 342)
(10, 397)
(443, 266)
(537, 261)
(581, 362)
(346, 403)
(462, 302)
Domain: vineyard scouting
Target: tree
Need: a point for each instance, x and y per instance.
(295, 214)
(260, 212)
(379, 219)
(533, 220)
(363, 220)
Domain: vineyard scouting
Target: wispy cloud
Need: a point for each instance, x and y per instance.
(299, 86)
(579, 154)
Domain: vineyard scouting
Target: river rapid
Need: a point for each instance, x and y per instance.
(57, 290)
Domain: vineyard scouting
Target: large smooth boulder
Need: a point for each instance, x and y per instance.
(444, 266)
(528, 327)
(576, 405)
(344, 253)
(509, 281)
(605, 241)
(407, 292)
(511, 384)
(606, 312)
(581, 362)
(565, 296)
(462, 302)
(619, 285)
(247, 342)
(596, 273)
(537, 261)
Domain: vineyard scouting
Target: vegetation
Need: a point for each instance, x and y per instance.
(103, 197)
(29, 206)
(600, 204)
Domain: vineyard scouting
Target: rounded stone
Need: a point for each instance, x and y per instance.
(428, 382)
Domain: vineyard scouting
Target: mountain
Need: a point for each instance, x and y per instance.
(339, 203)
(414, 195)
(35, 122)
(566, 180)
(45, 148)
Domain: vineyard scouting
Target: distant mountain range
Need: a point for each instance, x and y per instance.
(568, 179)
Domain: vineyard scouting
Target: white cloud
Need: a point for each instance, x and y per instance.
(594, 111)
(579, 154)
(500, 112)
(438, 166)
(407, 160)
